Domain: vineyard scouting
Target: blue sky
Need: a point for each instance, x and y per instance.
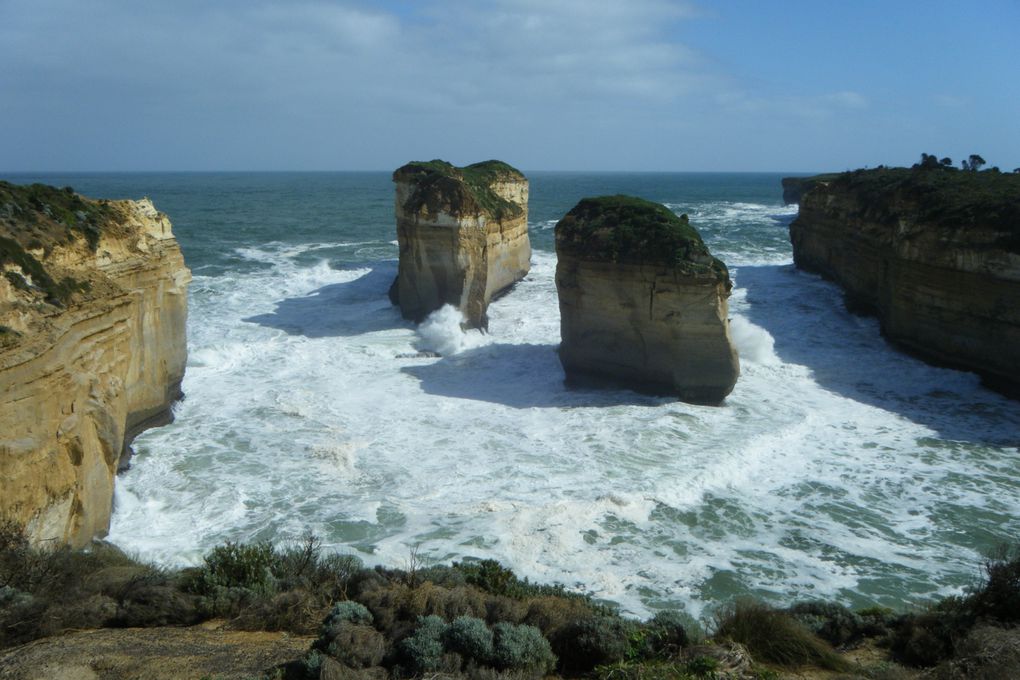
(542, 84)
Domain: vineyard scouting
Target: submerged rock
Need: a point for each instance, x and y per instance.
(642, 301)
(463, 237)
(93, 303)
(933, 252)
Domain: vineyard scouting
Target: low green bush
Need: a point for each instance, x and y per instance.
(423, 650)
(520, 647)
(471, 638)
(774, 636)
(594, 641)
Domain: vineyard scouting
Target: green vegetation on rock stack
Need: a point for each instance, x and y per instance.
(629, 230)
(442, 186)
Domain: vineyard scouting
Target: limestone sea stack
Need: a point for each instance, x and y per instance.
(933, 252)
(93, 303)
(642, 301)
(463, 236)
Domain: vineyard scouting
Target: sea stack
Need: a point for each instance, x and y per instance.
(933, 252)
(463, 237)
(643, 303)
(93, 304)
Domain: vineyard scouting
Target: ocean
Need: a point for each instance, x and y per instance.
(838, 468)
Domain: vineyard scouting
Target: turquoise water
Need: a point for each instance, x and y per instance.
(838, 467)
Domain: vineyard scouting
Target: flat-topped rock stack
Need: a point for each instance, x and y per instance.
(643, 303)
(463, 236)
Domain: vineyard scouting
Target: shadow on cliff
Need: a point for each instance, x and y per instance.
(339, 309)
(518, 376)
(847, 355)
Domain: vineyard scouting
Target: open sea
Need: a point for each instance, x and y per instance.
(838, 467)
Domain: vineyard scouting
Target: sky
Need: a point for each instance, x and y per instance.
(635, 85)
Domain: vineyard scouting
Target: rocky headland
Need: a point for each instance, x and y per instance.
(93, 303)
(642, 301)
(934, 252)
(463, 236)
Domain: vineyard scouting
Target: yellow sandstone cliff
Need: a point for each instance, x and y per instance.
(93, 304)
(463, 236)
(933, 253)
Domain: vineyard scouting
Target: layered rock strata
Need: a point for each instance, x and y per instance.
(934, 253)
(93, 303)
(642, 301)
(463, 237)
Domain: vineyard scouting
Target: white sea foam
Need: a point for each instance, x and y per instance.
(443, 332)
(837, 467)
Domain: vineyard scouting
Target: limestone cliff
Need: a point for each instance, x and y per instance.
(642, 301)
(463, 236)
(93, 303)
(934, 253)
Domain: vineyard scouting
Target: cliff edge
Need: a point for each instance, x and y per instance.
(93, 304)
(463, 236)
(933, 252)
(642, 301)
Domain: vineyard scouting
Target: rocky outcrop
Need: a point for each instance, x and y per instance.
(934, 253)
(642, 301)
(93, 303)
(795, 187)
(463, 237)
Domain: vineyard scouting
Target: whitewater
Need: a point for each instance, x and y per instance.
(838, 467)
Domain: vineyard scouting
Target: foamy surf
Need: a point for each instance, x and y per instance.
(837, 468)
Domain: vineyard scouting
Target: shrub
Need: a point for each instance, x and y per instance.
(774, 636)
(350, 612)
(832, 622)
(667, 633)
(998, 598)
(469, 637)
(929, 637)
(551, 613)
(594, 641)
(423, 650)
(295, 610)
(522, 648)
(354, 645)
(236, 565)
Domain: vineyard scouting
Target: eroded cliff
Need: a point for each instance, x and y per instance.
(934, 253)
(642, 301)
(93, 304)
(463, 236)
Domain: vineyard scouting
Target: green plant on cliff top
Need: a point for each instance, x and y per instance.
(959, 202)
(440, 185)
(37, 204)
(632, 230)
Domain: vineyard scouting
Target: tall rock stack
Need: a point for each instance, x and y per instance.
(643, 303)
(463, 236)
(93, 304)
(933, 252)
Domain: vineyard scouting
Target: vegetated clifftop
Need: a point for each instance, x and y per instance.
(93, 303)
(642, 301)
(933, 252)
(463, 236)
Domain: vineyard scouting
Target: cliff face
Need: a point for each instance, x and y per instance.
(642, 301)
(93, 303)
(463, 236)
(935, 254)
